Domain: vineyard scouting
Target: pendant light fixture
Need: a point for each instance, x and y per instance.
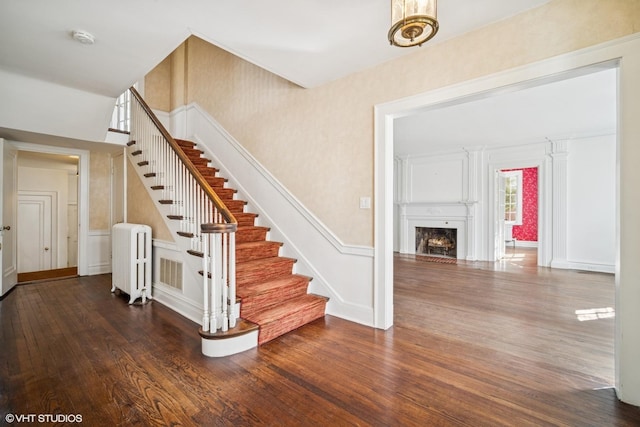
(413, 22)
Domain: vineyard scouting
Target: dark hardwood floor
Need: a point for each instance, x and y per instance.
(474, 344)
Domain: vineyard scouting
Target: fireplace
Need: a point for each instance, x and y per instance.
(436, 241)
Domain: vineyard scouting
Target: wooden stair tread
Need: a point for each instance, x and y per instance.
(300, 303)
(242, 327)
(263, 269)
(196, 253)
(185, 143)
(246, 251)
(263, 262)
(251, 233)
(245, 219)
(288, 316)
(258, 288)
(256, 245)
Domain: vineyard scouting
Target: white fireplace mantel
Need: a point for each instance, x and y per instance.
(457, 215)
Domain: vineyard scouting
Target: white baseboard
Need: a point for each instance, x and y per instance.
(583, 266)
(99, 252)
(186, 307)
(525, 244)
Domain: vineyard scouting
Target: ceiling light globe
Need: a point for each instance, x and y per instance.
(413, 22)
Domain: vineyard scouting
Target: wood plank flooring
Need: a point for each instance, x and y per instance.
(474, 344)
(35, 276)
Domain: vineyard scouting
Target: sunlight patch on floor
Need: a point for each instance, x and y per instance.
(595, 314)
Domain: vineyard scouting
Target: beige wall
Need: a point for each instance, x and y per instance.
(157, 87)
(319, 142)
(141, 209)
(99, 191)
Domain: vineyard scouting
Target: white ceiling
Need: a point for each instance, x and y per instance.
(309, 42)
(571, 108)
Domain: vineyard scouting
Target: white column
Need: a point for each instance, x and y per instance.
(474, 217)
(470, 243)
(559, 204)
(628, 230)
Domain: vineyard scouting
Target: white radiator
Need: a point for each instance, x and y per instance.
(131, 260)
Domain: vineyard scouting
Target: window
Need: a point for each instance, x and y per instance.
(121, 118)
(513, 197)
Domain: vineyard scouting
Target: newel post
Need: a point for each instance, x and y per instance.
(219, 275)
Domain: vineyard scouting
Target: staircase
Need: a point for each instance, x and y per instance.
(270, 294)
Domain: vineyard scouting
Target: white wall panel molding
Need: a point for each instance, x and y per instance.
(560, 156)
(99, 252)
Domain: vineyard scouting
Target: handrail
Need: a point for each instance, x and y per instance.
(202, 182)
(205, 219)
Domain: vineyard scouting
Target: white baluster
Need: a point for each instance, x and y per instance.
(225, 319)
(205, 269)
(232, 280)
(215, 294)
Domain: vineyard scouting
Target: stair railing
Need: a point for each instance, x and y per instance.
(203, 216)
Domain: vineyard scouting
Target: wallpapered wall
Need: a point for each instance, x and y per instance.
(528, 231)
(318, 142)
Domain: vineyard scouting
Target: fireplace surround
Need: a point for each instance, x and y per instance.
(455, 217)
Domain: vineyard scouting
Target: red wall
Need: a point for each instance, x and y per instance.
(528, 231)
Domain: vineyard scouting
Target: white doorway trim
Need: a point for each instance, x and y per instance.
(546, 191)
(47, 203)
(83, 194)
(626, 50)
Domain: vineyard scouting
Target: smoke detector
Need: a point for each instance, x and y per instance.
(83, 37)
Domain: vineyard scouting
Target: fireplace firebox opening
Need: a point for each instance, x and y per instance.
(435, 241)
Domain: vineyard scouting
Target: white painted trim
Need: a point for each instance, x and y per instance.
(177, 302)
(55, 239)
(9, 269)
(231, 345)
(536, 156)
(83, 194)
(525, 244)
(273, 182)
(165, 245)
(624, 51)
(584, 266)
(102, 263)
(165, 119)
(340, 272)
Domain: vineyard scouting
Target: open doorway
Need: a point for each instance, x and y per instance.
(518, 195)
(535, 75)
(47, 221)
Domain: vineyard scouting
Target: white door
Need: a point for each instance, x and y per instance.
(72, 235)
(8, 277)
(501, 185)
(35, 239)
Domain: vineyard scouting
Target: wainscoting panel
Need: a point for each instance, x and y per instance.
(99, 252)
